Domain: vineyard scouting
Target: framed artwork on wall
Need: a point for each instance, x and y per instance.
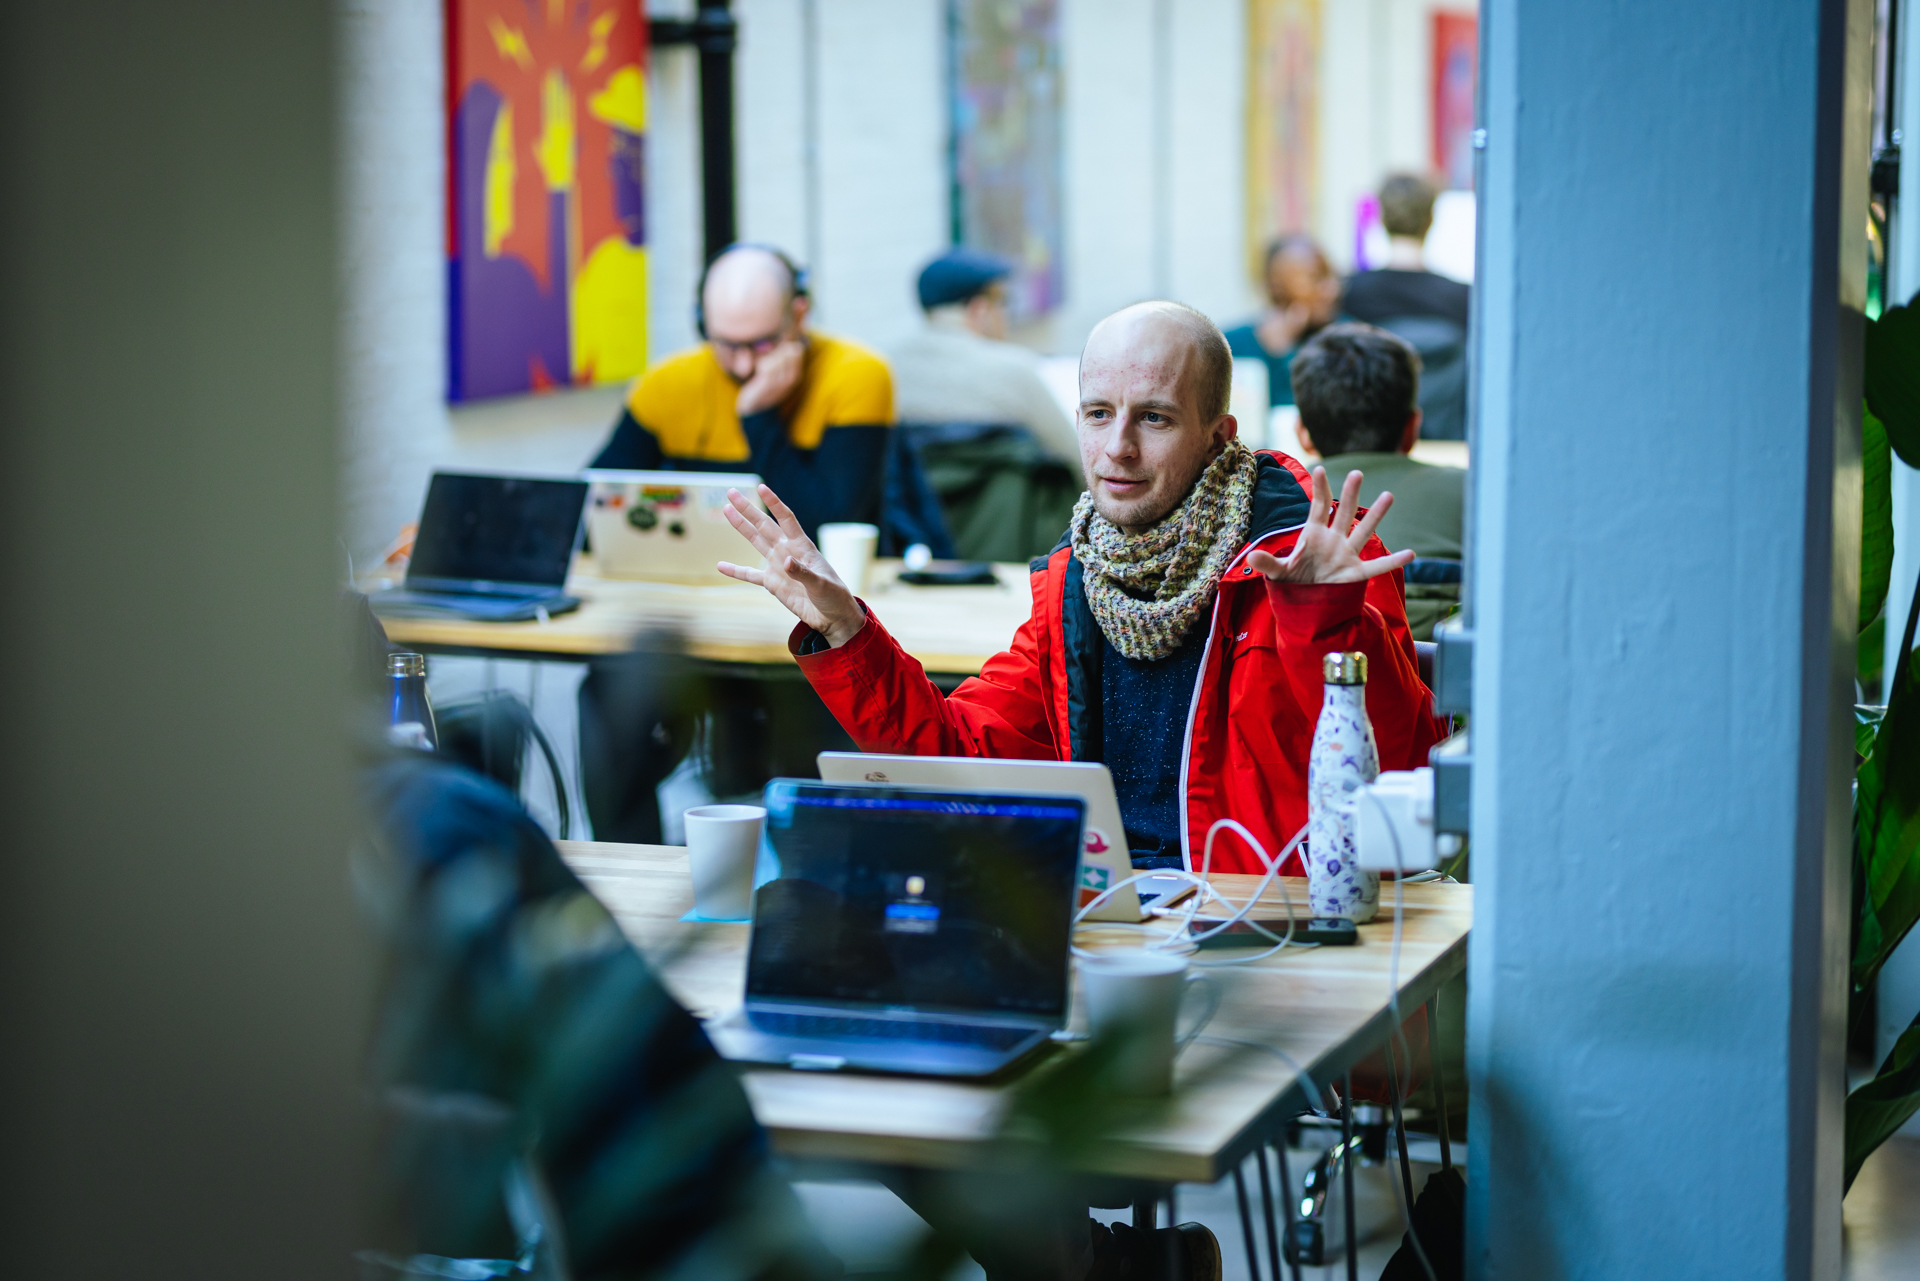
(1004, 141)
(546, 215)
(1456, 63)
(1283, 122)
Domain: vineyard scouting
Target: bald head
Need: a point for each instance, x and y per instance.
(1174, 334)
(1155, 380)
(749, 303)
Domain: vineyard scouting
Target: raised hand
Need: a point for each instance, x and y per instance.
(1328, 551)
(797, 575)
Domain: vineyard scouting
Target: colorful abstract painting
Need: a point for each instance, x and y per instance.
(1006, 141)
(546, 226)
(1283, 121)
(1456, 61)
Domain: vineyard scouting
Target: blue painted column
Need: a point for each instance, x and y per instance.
(1668, 492)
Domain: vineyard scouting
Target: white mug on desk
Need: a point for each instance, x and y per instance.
(849, 547)
(1133, 999)
(723, 842)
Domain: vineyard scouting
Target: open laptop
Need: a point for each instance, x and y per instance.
(495, 548)
(907, 929)
(666, 526)
(1104, 861)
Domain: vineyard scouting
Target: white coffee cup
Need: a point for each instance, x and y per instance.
(1133, 998)
(723, 843)
(849, 548)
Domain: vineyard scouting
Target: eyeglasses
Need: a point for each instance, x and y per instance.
(758, 346)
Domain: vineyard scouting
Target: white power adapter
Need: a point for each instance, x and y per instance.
(1393, 827)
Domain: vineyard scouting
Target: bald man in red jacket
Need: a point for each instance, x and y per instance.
(1177, 631)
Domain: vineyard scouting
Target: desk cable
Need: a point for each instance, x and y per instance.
(1182, 937)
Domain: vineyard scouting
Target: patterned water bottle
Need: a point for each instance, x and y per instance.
(1343, 757)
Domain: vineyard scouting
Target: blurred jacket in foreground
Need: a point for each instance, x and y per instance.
(525, 1052)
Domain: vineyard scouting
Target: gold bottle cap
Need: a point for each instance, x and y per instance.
(1345, 669)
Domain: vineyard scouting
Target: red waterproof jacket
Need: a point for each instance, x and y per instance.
(1254, 707)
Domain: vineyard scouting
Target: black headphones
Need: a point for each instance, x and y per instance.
(796, 277)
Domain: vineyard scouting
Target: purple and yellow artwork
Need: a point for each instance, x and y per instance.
(546, 221)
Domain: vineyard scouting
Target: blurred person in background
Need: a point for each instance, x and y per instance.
(1425, 308)
(1404, 287)
(1304, 294)
(960, 368)
(1358, 390)
(764, 394)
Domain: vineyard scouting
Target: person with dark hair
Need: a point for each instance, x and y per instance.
(1358, 389)
(1305, 297)
(960, 368)
(1404, 287)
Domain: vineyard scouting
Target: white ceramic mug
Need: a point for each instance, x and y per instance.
(849, 548)
(723, 842)
(1134, 998)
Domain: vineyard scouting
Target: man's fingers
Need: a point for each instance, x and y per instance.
(1386, 564)
(1350, 495)
(1266, 563)
(1363, 530)
(757, 577)
(783, 514)
(1322, 498)
(762, 533)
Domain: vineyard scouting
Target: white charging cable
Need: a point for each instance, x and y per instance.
(1182, 936)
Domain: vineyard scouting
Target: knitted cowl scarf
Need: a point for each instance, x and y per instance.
(1147, 590)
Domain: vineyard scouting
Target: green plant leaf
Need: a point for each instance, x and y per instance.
(1876, 518)
(1892, 377)
(1883, 1105)
(1866, 728)
(1886, 823)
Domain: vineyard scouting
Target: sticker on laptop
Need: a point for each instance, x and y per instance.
(1097, 841)
(1094, 880)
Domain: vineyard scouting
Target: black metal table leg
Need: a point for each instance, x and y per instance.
(1346, 1172)
(1246, 1222)
(1400, 1122)
(1286, 1207)
(1439, 1078)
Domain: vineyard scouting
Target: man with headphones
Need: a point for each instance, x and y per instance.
(809, 413)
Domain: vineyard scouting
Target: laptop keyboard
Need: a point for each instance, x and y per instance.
(836, 1026)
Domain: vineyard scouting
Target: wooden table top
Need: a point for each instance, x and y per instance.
(949, 629)
(1325, 1007)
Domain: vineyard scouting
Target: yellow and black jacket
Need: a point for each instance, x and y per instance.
(823, 449)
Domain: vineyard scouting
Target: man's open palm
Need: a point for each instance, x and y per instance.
(797, 575)
(1329, 546)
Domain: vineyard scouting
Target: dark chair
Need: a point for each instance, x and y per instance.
(1003, 496)
(489, 734)
(1443, 373)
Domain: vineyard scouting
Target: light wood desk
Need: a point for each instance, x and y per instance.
(1326, 1007)
(950, 630)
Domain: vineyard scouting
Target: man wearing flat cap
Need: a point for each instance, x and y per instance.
(961, 369)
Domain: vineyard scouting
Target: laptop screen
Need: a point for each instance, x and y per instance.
(502, 529)
(933, 900)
